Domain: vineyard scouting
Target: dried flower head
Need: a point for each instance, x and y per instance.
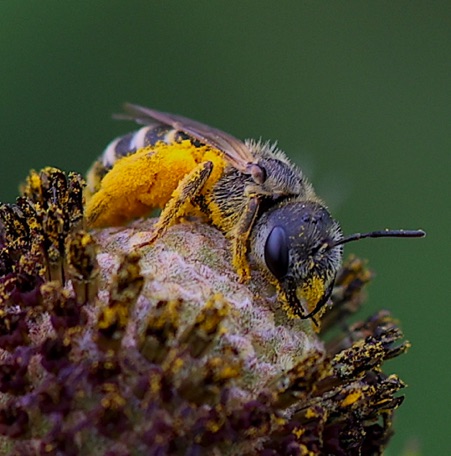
(104, 350)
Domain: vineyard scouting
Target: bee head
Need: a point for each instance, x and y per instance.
(301, 245)
(292, 241)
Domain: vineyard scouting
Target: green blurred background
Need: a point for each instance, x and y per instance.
(358, 93)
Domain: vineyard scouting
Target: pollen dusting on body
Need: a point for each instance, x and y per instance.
(146, 180)
(312, 291)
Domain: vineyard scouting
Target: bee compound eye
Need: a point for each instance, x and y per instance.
(276, 252)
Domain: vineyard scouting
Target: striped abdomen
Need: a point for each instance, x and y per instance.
(128, 144)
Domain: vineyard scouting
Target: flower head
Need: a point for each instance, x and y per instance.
(108, 350)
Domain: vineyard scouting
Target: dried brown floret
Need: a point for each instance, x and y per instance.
(199, 337)
(114, 317)
(160, 330)
(82, 267)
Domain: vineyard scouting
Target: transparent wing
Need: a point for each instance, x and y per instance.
(235, 151)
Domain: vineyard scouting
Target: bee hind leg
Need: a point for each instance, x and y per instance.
(188, 188)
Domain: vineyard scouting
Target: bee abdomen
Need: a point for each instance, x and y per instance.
(128, 144)
(144, 137)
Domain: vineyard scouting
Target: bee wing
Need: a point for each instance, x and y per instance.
(235, 151)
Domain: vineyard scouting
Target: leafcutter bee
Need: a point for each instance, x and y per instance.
(249, 190)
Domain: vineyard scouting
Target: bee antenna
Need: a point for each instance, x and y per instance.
(377, 234)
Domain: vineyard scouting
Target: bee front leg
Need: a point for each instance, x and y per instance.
(187, 189)
(240, 239)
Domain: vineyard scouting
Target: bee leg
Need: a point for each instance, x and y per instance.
(239, 243)
(187, 188)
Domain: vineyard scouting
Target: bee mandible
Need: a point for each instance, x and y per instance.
(249, 190)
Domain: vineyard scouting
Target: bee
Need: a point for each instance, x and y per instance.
(249, 190)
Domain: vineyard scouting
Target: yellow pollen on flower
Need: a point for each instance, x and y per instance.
(213, 426)
(86, 240)
(177, 365)
(229, 372)
(110, 315)
(34, 181)
(155, 385)
(351, 398)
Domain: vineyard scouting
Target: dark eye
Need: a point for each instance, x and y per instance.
(276, 252)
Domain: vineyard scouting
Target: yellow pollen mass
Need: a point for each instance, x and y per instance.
(146, 180)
